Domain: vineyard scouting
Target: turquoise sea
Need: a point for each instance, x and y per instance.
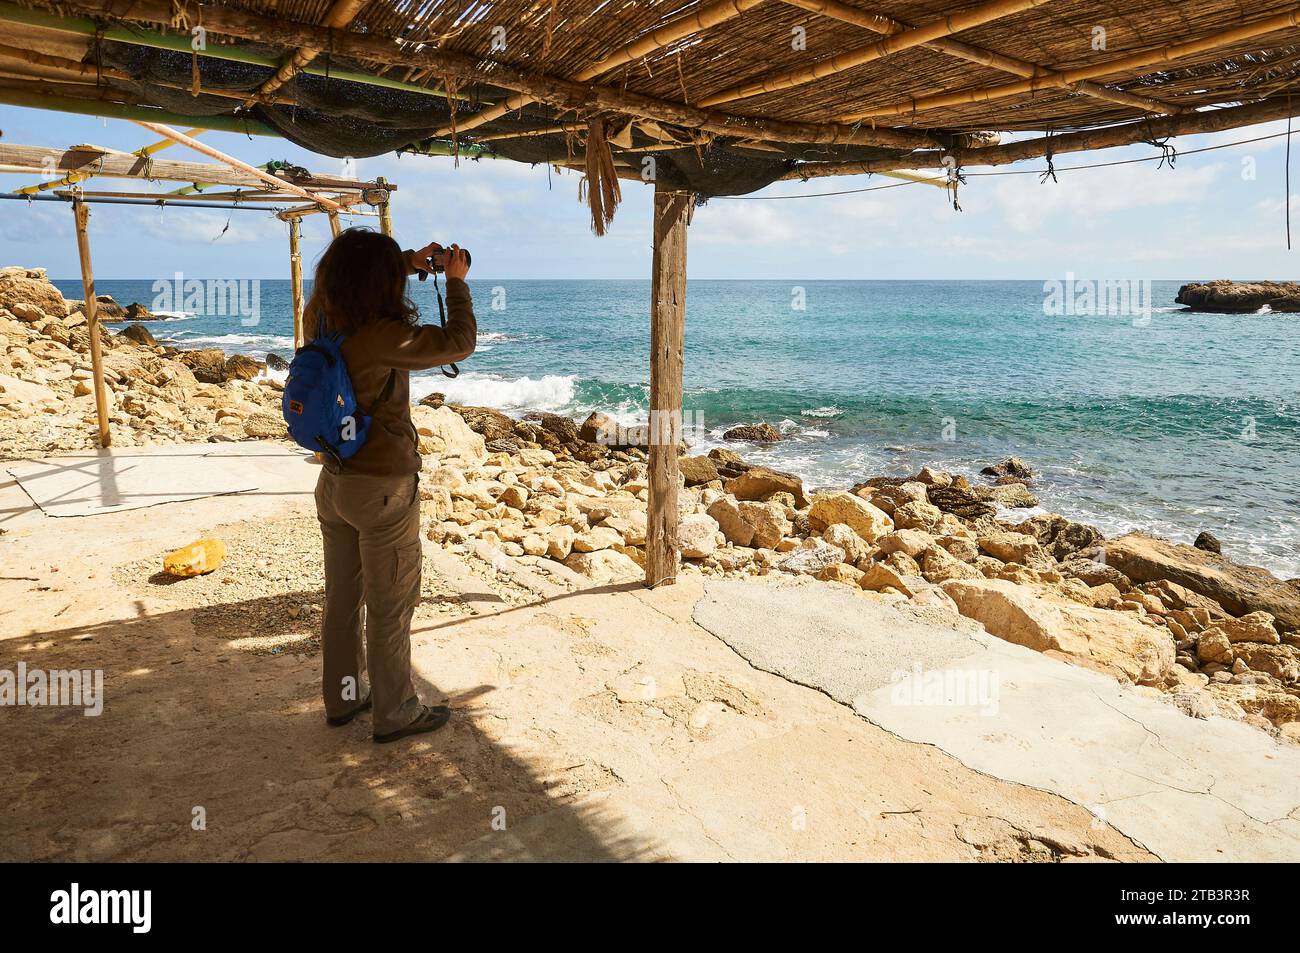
(1165, 421)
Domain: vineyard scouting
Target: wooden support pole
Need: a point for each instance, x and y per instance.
(295, 280)
(335, 225)
(672, 211)
(385, 210)
(82, 214)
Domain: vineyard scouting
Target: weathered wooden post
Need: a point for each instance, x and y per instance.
(82, 215)
(335, 225)
(385, 209)
(672, 212)
(295, 279)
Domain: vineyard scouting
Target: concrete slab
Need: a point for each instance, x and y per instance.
(118, 479)
(1186, 789)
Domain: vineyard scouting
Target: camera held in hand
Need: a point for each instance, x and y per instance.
(438, 261)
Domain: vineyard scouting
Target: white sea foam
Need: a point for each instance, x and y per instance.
(551, 392)
(167, 316)
(821, 412)
(238, 341)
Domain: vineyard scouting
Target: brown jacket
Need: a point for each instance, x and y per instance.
(383, 347)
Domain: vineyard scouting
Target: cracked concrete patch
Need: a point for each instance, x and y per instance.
(1186, 789)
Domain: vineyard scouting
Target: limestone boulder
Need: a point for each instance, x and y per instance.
(939, 566)
(760, 483)
(20, 285)
(697, 470)
(843, 536)
(866, 520)
(811, 558)
(604, 566)
(913, 542)
(445, 434)
(1033, 617)
(239, 367)
(1252, 627)
(697, 535)
(1238, 589)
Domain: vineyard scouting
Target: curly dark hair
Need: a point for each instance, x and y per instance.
(360, 277)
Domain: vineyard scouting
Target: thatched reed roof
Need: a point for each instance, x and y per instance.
(724, 95)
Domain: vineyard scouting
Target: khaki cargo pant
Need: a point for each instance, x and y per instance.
(371, 529)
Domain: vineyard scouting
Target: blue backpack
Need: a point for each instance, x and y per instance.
(319, 404)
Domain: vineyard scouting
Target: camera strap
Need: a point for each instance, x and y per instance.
(442, 320)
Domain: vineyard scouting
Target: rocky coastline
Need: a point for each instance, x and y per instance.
(561, 497)
(1240, 297)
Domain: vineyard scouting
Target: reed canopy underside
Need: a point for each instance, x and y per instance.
(717, 98)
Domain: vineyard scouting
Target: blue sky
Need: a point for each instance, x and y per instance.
(1218, 214)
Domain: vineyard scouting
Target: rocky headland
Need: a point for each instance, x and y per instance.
(1240, 297)
(560, 497)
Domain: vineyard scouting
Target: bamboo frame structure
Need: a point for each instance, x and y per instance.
(955, 23)
(295, 279)
(82, 218)
(234, 163)
(553, 90)
(975, 54)
(180, 43)
(340, 15)
(666, 35)
(1168, 53)
(1147, 130)
(90, 161)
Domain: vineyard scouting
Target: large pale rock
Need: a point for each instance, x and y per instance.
(1112, 641)
(917, 514)
(813, 556)
(843, 536)
(841, 572)
(913, 542)
(697, 535)
(697, 470)
(1252, 627)
(559, 541)
(444, 433)
(604, 566)
(726, 511)
(881, 576)
(750, 523)
(768, 521)
(1014, 548)
(1239, 589)
(760, 483)
(866, 520)
(1213, 645)
(30, 286)
(600, 537)
(938, 565)
(25, 392)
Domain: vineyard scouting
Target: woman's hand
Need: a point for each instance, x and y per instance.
(418, 261)
(456, 266)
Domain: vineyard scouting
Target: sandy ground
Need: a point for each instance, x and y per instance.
(596, 724)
